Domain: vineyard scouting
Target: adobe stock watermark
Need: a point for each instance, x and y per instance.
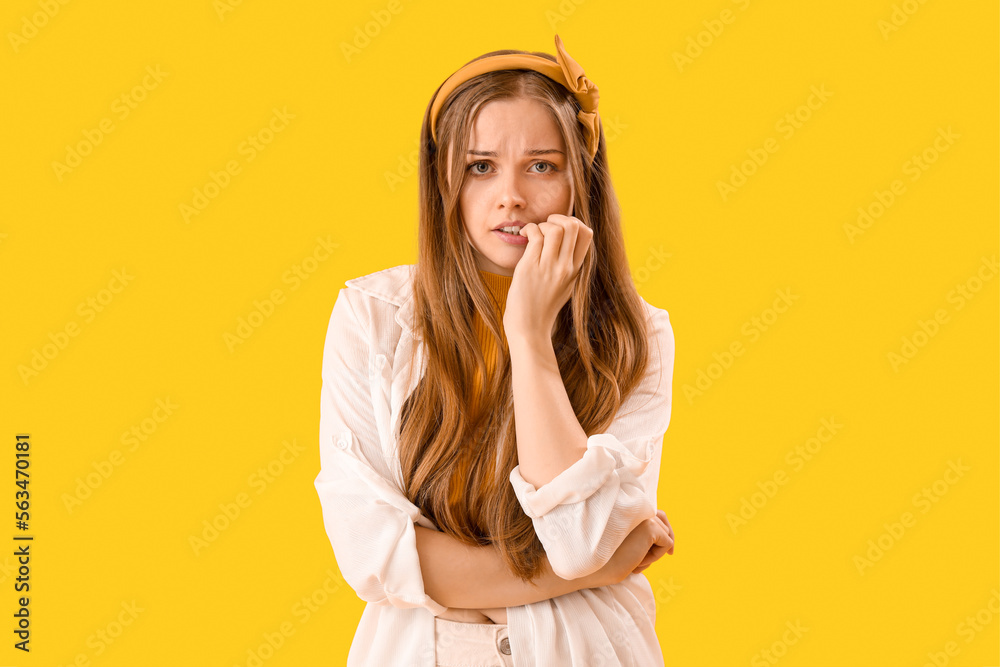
(713, 29)
(231, 510)
(968, 628)
(58, 341)
(752, 330)
(786, 127)
(364, 34)
(926, 329)
(666, 589)
(914, 167)
(7, 568)
(104, 468)
(656, 259)
(107, 635)
(562, 12)
(248, 149)
(779, 648)
(924, 500)
(264, 308)
(31, 24)
(121, 108)
(898, 17)
(796, 458)
(223, 7)
(302, 610)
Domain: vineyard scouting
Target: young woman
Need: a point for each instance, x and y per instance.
(492, 417)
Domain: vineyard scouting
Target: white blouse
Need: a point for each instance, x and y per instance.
(581, 516)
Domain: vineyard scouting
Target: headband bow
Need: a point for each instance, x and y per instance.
(565, 71)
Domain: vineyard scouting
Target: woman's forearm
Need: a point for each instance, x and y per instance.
(549, 436)
(467, 577)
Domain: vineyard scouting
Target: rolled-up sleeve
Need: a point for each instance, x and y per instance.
(370, 522)
(583, 514)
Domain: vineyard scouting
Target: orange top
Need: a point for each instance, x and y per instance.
(498, 286)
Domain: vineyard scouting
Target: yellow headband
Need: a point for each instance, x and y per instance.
(566, 72)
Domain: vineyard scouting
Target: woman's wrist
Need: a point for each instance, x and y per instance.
(556, 585)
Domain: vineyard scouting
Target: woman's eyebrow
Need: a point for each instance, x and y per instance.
(533, 151)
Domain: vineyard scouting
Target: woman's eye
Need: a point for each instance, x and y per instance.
(474, 165)
(548, 167)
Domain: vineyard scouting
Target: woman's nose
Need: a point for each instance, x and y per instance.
(511, 191)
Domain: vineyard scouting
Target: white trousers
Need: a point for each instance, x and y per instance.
(471, 644)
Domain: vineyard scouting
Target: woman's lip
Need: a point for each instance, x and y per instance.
(511, 239)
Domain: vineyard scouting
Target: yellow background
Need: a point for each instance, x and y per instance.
(341, 170)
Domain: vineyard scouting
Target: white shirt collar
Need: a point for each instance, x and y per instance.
(393, 285)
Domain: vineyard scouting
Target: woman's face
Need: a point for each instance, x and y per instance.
(517, 171)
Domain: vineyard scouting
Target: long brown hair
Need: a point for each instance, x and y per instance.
(456, 465)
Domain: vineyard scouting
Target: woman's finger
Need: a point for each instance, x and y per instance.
(553, 233)
(569, 240)
(662, 544)
(533, 251)
(661, 539)
(663, 517)
(583, 242)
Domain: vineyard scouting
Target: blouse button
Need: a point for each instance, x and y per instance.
(342, 442)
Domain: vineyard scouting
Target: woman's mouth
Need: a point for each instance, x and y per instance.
(512, 239)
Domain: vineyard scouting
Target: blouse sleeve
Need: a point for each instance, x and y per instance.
(369, 521)
(583, 514)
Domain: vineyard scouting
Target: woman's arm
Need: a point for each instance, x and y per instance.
(549, 436)
(473, 579)
(582, 514)
(467, 577)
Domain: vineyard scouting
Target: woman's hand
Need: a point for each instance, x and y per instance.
(657, 550)
(543, 278)
(646, 544)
